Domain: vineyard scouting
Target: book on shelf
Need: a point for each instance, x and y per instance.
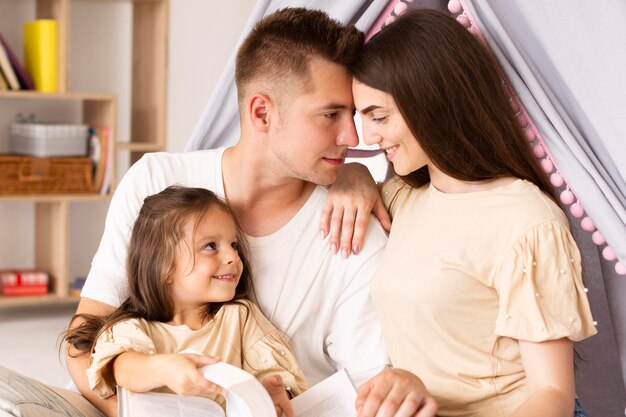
(4, 85)
(40, 53)
(7, 69)
(333, 397)
(23, 282)
(26, 83)
(100, 149)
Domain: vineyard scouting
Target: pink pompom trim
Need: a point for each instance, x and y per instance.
(587, 224)
(556, 179)
(608, 254)
(454, 6)
(567, 197)
(577, 210)
(597, 238)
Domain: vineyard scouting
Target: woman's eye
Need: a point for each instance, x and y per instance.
(379, 119)
(235, 246)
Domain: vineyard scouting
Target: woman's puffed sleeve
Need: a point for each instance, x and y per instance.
(392, 192)
(122, 337)
(540, 288)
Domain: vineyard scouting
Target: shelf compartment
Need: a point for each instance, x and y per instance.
(13, 302)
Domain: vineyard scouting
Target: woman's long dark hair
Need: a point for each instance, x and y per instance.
(448, 88)
(152, 253)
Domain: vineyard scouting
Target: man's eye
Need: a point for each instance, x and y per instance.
(332, 115)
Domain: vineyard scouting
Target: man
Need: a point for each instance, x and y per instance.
(296, 110)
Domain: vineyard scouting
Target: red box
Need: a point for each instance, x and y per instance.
(23, 282)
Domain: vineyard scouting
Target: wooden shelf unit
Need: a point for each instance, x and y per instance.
(147, 125)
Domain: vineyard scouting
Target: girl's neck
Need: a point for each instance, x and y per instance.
(195, 318)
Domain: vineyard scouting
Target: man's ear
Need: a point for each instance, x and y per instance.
(260, 109)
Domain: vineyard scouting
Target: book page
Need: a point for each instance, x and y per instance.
(154, 404)
(246, 395)
(333, 397)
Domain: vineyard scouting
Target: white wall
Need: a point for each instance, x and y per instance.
(203, 34)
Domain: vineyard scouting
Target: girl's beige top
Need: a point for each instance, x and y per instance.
(239, 334)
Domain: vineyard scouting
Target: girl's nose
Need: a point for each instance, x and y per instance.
(230, 256)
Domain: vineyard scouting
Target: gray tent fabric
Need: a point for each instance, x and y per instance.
(566, 61)
(219, 128)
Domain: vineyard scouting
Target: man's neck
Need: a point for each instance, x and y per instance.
(263, 199)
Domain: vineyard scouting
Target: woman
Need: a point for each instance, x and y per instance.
(479, 291)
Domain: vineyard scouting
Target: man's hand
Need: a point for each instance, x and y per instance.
(395, 393)
(276, 390)
(351, 199)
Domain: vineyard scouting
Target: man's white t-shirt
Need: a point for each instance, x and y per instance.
(320, 300)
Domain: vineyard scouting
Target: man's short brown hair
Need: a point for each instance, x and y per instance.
(280, 46)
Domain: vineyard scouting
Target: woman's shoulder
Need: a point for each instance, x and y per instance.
(395, 191)
(528, 202)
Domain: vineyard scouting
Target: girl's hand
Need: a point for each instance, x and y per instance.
(351, 199)
(179, 372)
(280, 398)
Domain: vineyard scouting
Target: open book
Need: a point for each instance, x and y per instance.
(333, 397)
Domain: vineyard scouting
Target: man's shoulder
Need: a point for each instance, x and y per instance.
(157, 170)
(174, 159)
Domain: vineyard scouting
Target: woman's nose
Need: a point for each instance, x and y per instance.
(370, 137)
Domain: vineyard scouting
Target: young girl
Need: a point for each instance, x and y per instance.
(189, 284)
(479, 290)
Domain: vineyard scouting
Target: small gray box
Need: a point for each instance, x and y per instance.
(48, 139)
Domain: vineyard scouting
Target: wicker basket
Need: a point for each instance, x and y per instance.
(30, 175)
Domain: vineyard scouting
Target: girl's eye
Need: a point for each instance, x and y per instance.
(235, 246)
(210, 246)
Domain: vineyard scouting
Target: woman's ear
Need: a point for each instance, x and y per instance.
(260, 109)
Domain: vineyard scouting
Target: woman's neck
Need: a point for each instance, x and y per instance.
(447, 184)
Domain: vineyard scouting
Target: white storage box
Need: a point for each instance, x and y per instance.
(48, 139)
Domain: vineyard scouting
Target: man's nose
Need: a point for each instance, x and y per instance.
(348, 136)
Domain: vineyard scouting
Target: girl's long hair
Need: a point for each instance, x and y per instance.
(152, 253)
(448, 88)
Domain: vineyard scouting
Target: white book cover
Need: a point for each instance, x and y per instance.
(333, 397)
